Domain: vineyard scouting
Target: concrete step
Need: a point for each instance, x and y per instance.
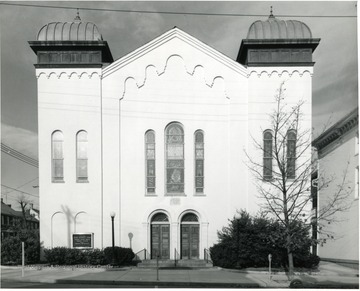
(171, 264)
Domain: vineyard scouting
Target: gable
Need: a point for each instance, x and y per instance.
(175, 43)
(175, 38)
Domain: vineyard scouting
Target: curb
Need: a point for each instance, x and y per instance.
(163, 283)
(295, 273)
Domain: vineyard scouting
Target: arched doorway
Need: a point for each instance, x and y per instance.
(190, 236)
(160, 236)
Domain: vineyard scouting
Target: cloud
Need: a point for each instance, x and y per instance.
(22, 140)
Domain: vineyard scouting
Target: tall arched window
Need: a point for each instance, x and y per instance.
(150, 161)
(81, 156)
(174, 158)
(291, 153)
(57, 156)
(199, 161)
(267, 171)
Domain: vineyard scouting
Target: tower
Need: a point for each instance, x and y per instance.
(276, 52)
(70, 57)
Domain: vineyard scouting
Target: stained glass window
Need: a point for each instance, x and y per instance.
(57, 141)
(81, 156)
(199, 162)
(267, 170)
(291, 154)
(174, 158)
(150, 161)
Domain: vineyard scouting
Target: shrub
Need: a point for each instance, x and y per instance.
(56, 256)
(247, 241)
(123, 256)
(11, 248)
(95, 257)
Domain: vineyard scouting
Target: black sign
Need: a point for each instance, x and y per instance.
(82, 240)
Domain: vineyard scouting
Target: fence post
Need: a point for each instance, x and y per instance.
(145, 253)
(270, 257)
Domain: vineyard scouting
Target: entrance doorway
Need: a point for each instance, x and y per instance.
(160, 236)
(190, 236)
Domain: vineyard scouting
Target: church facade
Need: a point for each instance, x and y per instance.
(157, 138)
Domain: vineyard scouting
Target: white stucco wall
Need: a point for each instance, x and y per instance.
(175, 83)
(338, 161)
(69, 100)
(264, 83)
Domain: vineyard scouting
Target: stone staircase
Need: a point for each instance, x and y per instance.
(170, 264)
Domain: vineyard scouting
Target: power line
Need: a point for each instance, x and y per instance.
(19, 156)
(22, 185)
(176, 13)
(19, 191)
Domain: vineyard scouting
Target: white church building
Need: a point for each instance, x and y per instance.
(157, 137)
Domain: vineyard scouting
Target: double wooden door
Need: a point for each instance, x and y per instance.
(160, 241)
(189, 241)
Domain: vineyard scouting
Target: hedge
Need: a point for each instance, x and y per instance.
(68, 256)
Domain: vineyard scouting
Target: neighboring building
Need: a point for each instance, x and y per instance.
(157, 136)
(338, 159)
(10, 218)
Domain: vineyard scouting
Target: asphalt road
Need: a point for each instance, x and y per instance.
(36, 285)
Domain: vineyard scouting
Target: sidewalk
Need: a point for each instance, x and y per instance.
(330, 276)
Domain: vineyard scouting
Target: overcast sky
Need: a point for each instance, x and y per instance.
(335, 79)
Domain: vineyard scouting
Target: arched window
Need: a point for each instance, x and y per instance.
(199, 161)
(174, 158)
(267, 171)
(57, 155)
(291, 153)
(190, 217)
(81, 156)
(150, 161)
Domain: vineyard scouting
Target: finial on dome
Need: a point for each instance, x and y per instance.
(271, 13)
(77, 17)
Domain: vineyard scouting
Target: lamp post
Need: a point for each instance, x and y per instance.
(112, 214)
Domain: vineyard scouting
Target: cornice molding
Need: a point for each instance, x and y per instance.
(337, 130)
(152, 70)
(68, 74)
(166, 37)
(279, 71)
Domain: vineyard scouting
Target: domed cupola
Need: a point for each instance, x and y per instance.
(276, 42)
(71, 44)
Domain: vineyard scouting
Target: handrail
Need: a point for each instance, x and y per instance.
(143, 254)
(207, 256)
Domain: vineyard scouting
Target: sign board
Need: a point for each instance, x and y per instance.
(83, 240)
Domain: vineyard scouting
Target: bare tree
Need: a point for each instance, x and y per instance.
(283, 177)
(24, 203)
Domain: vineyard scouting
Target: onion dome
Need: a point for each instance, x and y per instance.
(275, 42)
(73, 31)
(71, 44)
(274, 28)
